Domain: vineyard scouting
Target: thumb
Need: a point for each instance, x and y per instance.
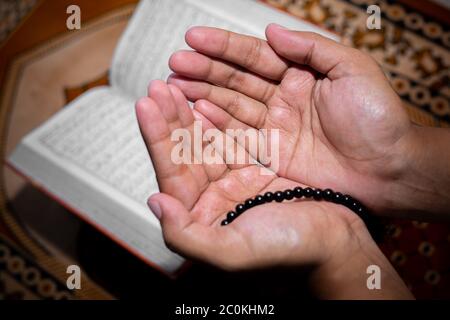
(181, 232)
(170, 211)
(322, 54)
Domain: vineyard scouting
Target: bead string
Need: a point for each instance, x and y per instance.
(298, 192)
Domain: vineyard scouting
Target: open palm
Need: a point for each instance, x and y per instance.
(340, 122)
(196, 197)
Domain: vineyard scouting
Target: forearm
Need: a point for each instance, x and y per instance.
(422, 190)
(345, 275)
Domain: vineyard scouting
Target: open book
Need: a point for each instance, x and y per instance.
(91, 156)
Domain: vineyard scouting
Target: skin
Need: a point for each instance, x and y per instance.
(341, 124)
(195, 197)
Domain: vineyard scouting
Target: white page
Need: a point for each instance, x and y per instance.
(158, 27)
(96, 139)
(101, 135)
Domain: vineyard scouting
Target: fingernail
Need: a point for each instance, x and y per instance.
(196, 115)
(195, 33)
(156, 209)
(276, 25)
(174, 79)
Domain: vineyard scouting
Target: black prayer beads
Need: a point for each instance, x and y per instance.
(298, 192)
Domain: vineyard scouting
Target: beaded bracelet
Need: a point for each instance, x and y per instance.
(299, 192)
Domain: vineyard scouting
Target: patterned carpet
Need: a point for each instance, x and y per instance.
(22, 279)
(11, 13)
(413, 48)
(414, 51)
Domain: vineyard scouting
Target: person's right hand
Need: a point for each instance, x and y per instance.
(341, 124)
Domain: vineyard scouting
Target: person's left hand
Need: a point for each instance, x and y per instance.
(195, 198)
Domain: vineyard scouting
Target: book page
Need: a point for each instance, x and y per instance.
(92, 157)
(158, 27)
(102, 136)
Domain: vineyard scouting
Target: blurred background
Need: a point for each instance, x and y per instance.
(43, 66)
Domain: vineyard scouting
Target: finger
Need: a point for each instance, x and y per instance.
(214, 167)
(200, 67)
(213, 150)
(184, 111)
(176, 179)
(213, 161)
(170, 109)
(231, 146)
(246, 136)
(190, 238)
(260, 145)
(320, 53)
(240, 106)
(249, 52)
(185, 119)
(220, 118)
(160, 93)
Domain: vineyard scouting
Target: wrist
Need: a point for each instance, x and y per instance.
(344, 274)
(403, 155)
(419, 185)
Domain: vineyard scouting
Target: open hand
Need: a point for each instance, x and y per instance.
(341, 124)
(196, 197)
